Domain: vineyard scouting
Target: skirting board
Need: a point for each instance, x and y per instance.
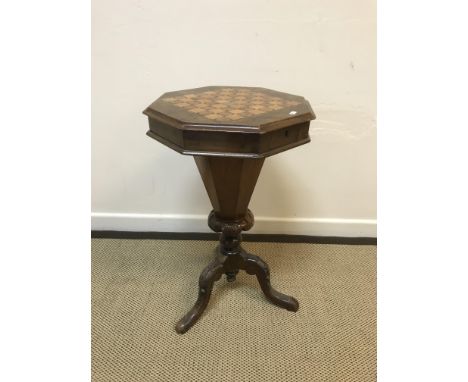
(131, 222)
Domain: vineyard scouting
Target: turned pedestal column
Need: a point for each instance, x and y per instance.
(230, 131)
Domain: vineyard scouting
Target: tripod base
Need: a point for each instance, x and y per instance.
(230, 264)
(229, 182)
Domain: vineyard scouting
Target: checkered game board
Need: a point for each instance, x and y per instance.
(229, 104)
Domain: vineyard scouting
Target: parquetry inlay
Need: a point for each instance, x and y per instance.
(229, 104)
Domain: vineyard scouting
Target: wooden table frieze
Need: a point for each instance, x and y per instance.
(230, 131)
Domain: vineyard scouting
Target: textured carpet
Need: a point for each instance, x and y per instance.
(140, 288)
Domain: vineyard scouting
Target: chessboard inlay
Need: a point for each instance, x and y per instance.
(229, 104)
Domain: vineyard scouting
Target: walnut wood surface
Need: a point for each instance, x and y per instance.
(230, 265)
(229, 260)
(230, 121)
(228, 107)
(226, 104)
(230, 183)
(230, 130)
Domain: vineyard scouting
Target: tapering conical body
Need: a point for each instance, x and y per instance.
(229, 182)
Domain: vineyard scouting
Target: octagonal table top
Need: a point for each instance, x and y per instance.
(196, 121)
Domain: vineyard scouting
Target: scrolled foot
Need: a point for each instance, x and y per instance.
(209, 275)
(254, 265)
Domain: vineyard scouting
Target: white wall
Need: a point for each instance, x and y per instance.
(324, 50)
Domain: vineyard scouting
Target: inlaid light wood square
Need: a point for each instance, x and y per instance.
(229, 104)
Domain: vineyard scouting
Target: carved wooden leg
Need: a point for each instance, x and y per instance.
(254, 265)
(231, 276)
(208, 276)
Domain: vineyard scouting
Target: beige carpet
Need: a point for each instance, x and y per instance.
(140, 288)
